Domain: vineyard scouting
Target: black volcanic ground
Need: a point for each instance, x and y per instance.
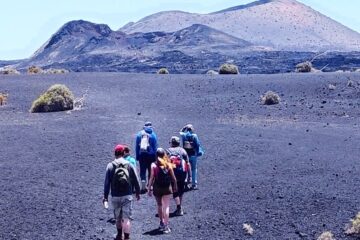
(289, 170)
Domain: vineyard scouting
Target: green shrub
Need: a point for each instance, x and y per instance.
(34, 70)
(57, 98)
(304, 67)
(354, 227)
(163, 71)
(9, 71)
(326, 236)
(228, 68)
(270, 98)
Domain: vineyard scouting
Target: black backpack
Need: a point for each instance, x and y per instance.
(162, 177)
(121, 178)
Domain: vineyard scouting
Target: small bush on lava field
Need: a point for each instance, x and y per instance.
(212, 72)
(248, 229)
(3, 98)
(55, 71)
(304, 67)
(163, 71)
(354, 227)
(35, 70)
(228, 68)
(270, 98)
(57, 98)
(326, 236)
(9, 71)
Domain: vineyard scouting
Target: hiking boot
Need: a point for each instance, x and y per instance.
(167, 230)
(178, 212)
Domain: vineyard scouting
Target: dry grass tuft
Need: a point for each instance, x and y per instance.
(163, 71)
(3, 98)
(332, 87)
(304, 67)
(56, 71)
(354, 227)
(9, 71)
(35, 70)
(248, 229)
(326, 236)
(228, 68)
(270, 98)
(57, 98)
(350, 83)
(212, 72)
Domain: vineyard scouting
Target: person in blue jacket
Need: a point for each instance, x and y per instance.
(145, 148)
(191, 144)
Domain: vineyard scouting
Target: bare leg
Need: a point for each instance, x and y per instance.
(126, 225)
(178, 201)
(166, 208)
(160, 208)
(119, 229)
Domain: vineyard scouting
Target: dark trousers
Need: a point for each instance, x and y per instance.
(145, 164)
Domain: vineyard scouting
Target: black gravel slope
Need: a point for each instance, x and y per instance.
(290, 170)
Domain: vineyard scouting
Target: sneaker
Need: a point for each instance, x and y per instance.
(161, 226)
(118, 237)
(167, 230)
(178, 212)
(194, 187)
(143, 187)
(187, 187)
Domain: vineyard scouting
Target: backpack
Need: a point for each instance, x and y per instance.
(189, 145)
(145, 142)
(178, 161)
(121, 177)
(162, 177)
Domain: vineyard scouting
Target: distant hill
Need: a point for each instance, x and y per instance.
(266, 36)
(279, 24)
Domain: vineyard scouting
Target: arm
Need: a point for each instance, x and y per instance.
(155, 146)
(137, 147)
(135, 181)
(107, 182)
(198, 150)
(173, 179)
(151, 179)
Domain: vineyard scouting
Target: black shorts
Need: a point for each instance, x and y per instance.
(180, 180)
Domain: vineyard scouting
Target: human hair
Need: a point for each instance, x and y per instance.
(126, 150)
(119, 153)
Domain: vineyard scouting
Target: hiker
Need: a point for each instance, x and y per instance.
(161, 177)
(120, 179)
(191, 144)
(146, 145)
(180, 159)
(128, 157)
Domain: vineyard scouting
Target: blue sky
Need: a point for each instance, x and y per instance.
(25, 25)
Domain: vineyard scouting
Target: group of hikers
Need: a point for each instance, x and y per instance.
(163, 173)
